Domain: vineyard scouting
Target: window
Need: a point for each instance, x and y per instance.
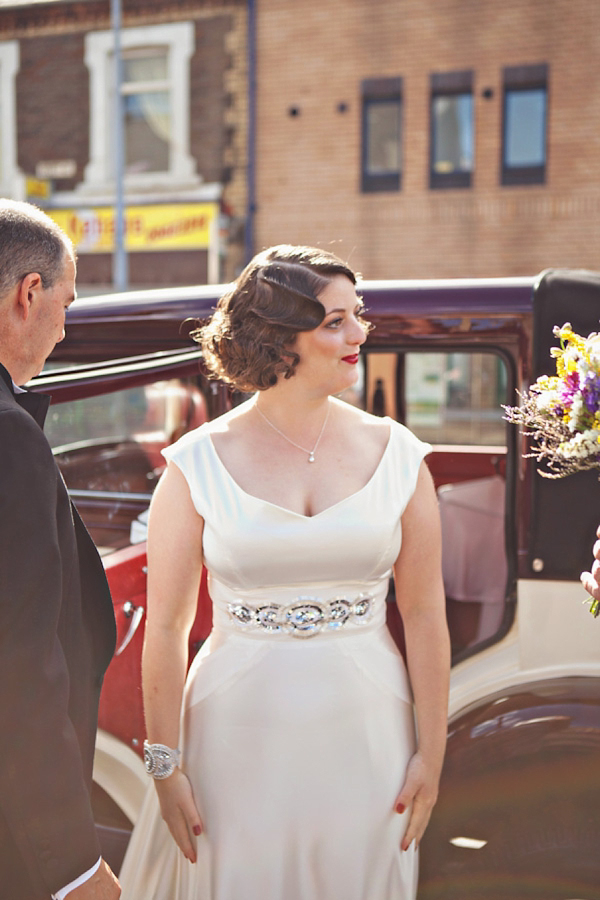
(381, 134)
(148, 119)
(455, 398)
(9, 65)
(108, 449)
(524, 131)
(444, 397)
(156, 92)
(452, 141)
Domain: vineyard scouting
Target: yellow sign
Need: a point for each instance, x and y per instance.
(37, 188)
(182, 226)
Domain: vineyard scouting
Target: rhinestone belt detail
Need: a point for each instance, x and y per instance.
(305, 617)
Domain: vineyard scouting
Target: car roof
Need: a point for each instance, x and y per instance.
(139, 322)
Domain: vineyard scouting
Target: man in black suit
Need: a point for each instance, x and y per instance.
(57, 630)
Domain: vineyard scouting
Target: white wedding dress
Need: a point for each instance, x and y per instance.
(297, 721)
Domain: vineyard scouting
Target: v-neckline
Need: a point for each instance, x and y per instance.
(293, 512)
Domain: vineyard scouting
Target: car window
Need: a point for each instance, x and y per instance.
(456, 398)
(453, 400)
(108, 448)
(444, 398)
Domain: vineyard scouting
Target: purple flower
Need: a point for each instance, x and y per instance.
(568, 387)
(591, 392)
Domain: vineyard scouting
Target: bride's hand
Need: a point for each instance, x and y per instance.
(591, 580)
(179, 811)
(419, 791)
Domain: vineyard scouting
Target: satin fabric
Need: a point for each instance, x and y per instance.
(296, 747)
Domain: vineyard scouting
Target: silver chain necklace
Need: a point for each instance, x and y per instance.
(311, 453)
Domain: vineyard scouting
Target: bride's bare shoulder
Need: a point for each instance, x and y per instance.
(232, 424)
(371, 427)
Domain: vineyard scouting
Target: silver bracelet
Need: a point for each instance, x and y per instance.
(160, 761)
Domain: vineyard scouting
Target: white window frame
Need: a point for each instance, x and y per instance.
(179, 39)
(10, 178)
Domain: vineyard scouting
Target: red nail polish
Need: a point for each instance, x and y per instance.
(400, 808)
(197, 830)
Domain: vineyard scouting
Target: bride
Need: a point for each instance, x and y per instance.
(287, 765)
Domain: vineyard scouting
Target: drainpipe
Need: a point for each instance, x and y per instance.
(251, 166)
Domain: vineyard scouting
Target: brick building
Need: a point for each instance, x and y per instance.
(431, 138)
(185, 96)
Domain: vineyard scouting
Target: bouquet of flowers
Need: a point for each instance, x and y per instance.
(562, 412)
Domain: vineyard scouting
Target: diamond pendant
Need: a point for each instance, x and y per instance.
(311, 457)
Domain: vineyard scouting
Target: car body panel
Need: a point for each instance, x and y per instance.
(519, 796)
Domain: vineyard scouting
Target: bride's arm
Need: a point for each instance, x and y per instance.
(174, 570)
(421, 601)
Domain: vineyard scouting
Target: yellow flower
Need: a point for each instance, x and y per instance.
(559, 355)
(562, 332)
(573, 344)
(547, 382)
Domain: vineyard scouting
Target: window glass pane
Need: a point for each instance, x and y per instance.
(147, 67)
(455, 398)
(382, 137)
(97, 420)
(147, 102)
(147, 131)
(151, 415)
(525, 134)
(452, 133)
(108, 450)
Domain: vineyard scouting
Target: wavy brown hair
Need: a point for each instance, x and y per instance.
(249, 340)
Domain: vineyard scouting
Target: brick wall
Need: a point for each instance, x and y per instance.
(53, 104)
(314, 55)
(145, 269)
(52, 96)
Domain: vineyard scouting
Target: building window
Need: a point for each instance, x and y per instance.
(452, 130)
(156, 92)
(381, 134)
(524, 121)
(9, 66)
(148, 119)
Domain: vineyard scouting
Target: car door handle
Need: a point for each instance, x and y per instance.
(136, 613)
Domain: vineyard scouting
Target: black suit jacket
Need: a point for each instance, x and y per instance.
(57, 636)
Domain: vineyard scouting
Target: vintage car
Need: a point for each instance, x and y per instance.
(518, 814)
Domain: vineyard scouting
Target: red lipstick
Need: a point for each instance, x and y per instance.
(351, 360)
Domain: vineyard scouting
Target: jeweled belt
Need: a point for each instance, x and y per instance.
(305, 617)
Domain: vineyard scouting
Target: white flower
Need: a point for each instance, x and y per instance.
(581, 446)
(583, 367)
(576, 412)
(546, 400)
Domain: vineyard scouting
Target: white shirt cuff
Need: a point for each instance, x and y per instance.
(61, 895)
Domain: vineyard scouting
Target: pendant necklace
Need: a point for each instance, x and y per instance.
(311, 453)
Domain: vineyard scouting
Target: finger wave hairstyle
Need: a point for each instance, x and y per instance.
(249, 340)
